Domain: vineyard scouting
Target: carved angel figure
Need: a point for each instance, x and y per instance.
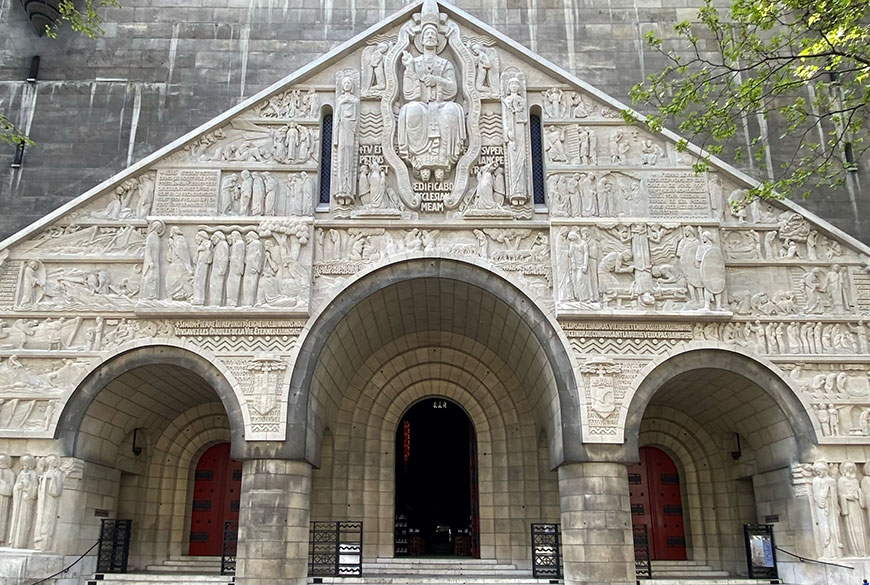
(487, 69)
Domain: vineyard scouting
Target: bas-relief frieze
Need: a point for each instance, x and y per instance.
(836, 495)
(30, 499)
(431, 154)
(340, 253)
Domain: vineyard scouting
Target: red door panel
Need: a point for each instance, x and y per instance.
(654, 488)
(215, 499)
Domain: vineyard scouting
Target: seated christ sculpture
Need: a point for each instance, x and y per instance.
(432, 131)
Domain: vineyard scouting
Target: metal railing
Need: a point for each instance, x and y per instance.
(546, 551)
(229, 547)
(114, 546)
(335, 549)
(642, 560)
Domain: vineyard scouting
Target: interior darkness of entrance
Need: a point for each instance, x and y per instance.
(436, 481)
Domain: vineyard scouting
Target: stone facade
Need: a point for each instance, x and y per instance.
(237, 286)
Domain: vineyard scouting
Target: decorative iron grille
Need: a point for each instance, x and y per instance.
(325, 157)
(546, 551)
(537, 145)
(229, 547)
(114, 546)
(642, 561)
(335, 549)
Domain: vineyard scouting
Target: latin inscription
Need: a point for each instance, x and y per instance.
(490, 154)
(432, 194)
(186, 192)
(678, 195)
(371, 153)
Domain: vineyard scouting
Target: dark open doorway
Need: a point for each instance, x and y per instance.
(436, 482)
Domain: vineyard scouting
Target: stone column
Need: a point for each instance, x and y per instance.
(274, 513)
(597, 542)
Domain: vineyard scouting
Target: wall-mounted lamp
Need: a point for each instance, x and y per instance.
(34, 70)
(735, 455)
(137, 449)
(19, 156)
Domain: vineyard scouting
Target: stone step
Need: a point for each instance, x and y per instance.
(173, 578)
(675, 563)
(435, 572)
(704, 581)
(184, 568)
(194, 558)
(432, 580)
(689, 574)
(432, 560)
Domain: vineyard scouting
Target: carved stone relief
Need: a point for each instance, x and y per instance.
(836, 494)
(639, 267)
(256, 266)
(340, 253)
(30, 501)
(262, 378)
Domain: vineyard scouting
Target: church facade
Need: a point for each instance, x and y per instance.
(432, 218)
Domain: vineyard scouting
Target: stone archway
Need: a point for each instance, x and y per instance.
(436, 327)
(734, 428)
(138, 423)
(452, 278)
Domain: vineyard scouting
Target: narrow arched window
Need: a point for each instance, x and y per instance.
(325, 155)
(537, 157)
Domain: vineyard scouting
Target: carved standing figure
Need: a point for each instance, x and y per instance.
(48, 506)
(24, 494)
(514, 124)
(344, 140)
(202, 261)
(7, 481)
(246, 192)
(146, 196)
(228, 195)
(220, 261)
(253, 269)
(852, 508)
(374, 78)
(271, 199)
(179, 273)
(711, 266)
(432, 132)
(827, 512)
(236, 268)
(149, 289)
(487, 65)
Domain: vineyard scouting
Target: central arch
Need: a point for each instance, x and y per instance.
(421, 291)
(426, 328)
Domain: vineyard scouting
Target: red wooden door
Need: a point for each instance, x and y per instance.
(216, 489)
(654, 487)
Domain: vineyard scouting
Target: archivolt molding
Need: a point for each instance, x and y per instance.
(156, 351)
(700, 355)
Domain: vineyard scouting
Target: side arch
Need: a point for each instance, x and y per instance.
(762, 375)
(75, 408)
(564, 430)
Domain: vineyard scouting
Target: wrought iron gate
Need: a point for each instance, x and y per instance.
(546, 551)
(642, 562)
(114, 546)
(335, 549)
(228, 549)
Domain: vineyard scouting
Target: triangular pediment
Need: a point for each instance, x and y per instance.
(429, 133)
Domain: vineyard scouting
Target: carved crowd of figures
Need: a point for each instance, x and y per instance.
(841, 507)
(262, 194)
(235, 267)
(292, 104)
(578, 145)
(647, 265)
(134, 198)
(30, 501)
